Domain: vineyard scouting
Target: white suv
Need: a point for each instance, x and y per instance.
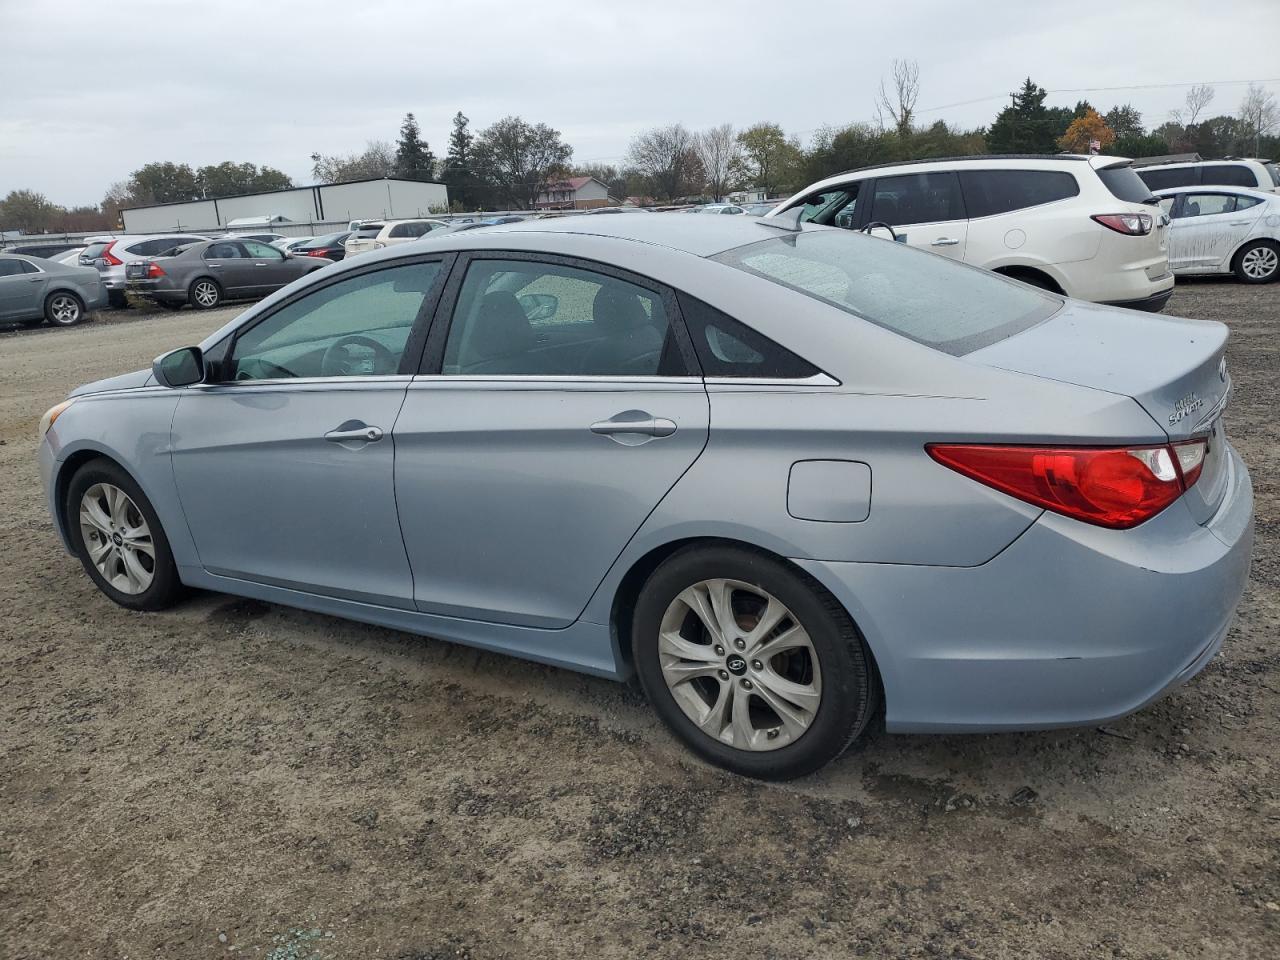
(374, 235)
(110, 254)
(1084, 226)
(1251, 174)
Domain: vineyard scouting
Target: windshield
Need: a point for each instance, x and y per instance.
(1125, 184)
(929, 299)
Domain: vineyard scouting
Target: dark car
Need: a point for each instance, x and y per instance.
(207, 272)
(331, 247)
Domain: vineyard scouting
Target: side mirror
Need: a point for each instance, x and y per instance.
(179, 368)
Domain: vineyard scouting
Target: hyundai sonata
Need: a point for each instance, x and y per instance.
(795, 479)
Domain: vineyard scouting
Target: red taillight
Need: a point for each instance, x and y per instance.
(317, 253)
(154, 271)
(1130, 224)
(111, 258)
(1117, 487)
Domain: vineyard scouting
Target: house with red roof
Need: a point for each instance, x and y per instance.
(574, 193)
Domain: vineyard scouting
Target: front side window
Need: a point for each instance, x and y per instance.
(835, 207)
(948, 306)
(358, 326)
(916, 198)
(1229, 175)
(988, 192)
(1205, 205)
(529, 318)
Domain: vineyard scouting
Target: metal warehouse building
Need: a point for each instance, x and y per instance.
(330, 202)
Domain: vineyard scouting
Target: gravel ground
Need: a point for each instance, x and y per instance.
(236, 779)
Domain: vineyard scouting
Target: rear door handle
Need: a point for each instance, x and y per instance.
(355, 431)
(944, 242)
(635, 423)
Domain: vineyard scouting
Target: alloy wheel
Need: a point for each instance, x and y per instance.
(64, 309)
(1260, 263)
(740, 665)
(206, 293)
(117, 538)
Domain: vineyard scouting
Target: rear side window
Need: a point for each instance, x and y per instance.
(1205, 205)
(1163, 179)
(926, 298)
(917, 198)
(727, 348)
(988, 192)
(1231, 175)
(1125, 184)
(1244, 203)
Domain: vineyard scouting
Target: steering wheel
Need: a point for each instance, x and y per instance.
(879, 223)
(337, 361)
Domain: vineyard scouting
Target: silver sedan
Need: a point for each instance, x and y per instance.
(794, 478)
(34, 290)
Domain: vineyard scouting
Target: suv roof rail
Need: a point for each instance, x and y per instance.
(972, 156)
(1168, 158)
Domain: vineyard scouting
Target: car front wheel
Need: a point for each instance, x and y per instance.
(117, 535)
(751, 663)
(63, 309)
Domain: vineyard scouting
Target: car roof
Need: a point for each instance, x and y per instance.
(1215, 188)
(701, 236)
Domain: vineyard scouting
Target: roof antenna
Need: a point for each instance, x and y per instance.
(788, 220)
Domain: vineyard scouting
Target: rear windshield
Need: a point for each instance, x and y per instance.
(929, 299)
(1125, 184)
(94, 250)
(369, 230)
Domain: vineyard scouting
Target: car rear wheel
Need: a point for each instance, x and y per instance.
(751, 663)
(205, 294)
(117, 535)
(1259, 262)
(63, 309)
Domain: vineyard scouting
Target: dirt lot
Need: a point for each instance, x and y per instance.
(236, 779)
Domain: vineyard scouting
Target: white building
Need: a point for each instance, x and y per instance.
(330, 202)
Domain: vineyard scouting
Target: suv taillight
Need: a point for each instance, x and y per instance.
(1116, 487)
(1130, 224)
(110, 257)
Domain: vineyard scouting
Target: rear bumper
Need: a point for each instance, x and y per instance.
(153, 290)
(1071, 625)
(1153, 304)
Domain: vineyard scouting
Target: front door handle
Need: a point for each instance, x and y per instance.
(634, 423)
(354, 430)
(1241, 223)
(944, 242)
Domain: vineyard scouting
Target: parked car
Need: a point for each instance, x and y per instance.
(1251, 174)
(759, 209)
(267, 238)
(915, 484)
(289, 244)
(1084, 226)
(110, 254)
(70, 257)
(329, 247)
(1223, 230)
(721, 208)
(35, 290)
(387, 233)
(207, 272)
(48, 251)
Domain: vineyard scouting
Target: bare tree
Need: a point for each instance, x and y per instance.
(898, 100)
(1258, 114)
(1198, 97)
(721, 157)
(377, 160)
(666, 157)
(519, 159)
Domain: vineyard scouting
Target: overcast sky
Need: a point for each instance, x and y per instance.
(92, 90)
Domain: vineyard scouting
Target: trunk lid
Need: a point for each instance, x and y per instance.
(1174, 368)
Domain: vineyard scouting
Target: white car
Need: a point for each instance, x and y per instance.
(1223, 230)
(110, 254)
(722, 208)
(376, 234)
(1251, 174)
(1084, 226)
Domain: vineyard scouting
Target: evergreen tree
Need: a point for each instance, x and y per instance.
(458, 173)
(1027, 126)
(414, 160)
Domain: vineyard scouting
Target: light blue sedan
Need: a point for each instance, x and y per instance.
(796, 479)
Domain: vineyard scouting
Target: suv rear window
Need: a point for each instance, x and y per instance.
(1229, 175)
(926, 298)
(1125, 184)
(94, 250)
(988, 192)
(369, 231)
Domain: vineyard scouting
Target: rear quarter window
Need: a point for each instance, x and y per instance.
(988, 192)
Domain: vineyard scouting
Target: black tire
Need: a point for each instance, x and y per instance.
(32, 321)
(165, 586)
(1265, 251)
(171, 305)
(196, 295)
(117, 300)
(62, 308)
(849, 693)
